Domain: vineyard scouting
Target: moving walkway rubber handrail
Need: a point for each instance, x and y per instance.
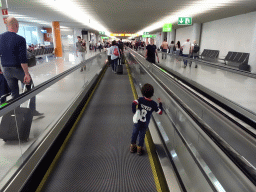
(12, 104)
(236, 158)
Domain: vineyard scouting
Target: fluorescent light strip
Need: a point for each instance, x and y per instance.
(28, 19)
(73, 10)
(197, 8)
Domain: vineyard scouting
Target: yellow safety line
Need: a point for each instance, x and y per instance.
(50, 169)
(155, 165)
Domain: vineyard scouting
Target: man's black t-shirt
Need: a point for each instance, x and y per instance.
(151, 53)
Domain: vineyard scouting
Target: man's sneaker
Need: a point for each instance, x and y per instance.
(196, 66)
(139, 150)
(133, 148)
(36, 113)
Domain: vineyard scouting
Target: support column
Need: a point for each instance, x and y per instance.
(57, 38)
(196, 33)
(40, 36)
(252, 57)
(162, 38)
(158, 40)
(3, 27)
(171, 36)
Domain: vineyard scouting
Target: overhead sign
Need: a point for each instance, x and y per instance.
(185, 21)
(145, 33)
(150, 36)
(104, 37)
(167, 27)
(102, 32)
(0, 3)
(123, 34)
(4, 11)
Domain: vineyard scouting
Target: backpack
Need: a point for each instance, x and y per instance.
(196, 48)
(174, 48)
(116, 53)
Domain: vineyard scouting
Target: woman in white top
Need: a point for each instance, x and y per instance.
(114, 57)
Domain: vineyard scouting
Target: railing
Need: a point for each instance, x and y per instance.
(205, 162)
(57, 98)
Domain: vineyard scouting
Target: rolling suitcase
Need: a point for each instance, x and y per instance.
(16, 124)
(119, 67)
(10, 130)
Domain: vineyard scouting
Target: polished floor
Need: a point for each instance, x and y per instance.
(236, 88)
(52, 102)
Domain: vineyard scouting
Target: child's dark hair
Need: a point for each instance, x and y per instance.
(147, 90)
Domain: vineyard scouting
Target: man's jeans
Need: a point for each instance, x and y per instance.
(164, 52)
(12, 76)
(81, 58)
(185, 60)
(114, 64)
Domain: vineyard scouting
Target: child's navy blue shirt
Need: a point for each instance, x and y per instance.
(13, 49)
(146, 107)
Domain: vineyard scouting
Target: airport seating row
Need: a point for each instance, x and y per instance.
(44, 51)
(235, 59)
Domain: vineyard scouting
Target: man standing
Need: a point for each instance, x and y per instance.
(80, 52)
(13, 49)
(151, 52)
(186, 51)
(165, 47)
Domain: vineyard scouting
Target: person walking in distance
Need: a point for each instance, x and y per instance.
(80, 52)
(13, 49)
(195, 53)
(164, 48)
(151, 52)
(186, 51)
(115, 55)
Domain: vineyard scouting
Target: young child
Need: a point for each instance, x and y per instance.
(145, 106)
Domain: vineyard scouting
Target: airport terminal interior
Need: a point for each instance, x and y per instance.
(72, 127)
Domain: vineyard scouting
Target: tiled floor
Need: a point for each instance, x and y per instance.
(52, 101)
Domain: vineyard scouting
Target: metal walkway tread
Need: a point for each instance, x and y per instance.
(97, 157)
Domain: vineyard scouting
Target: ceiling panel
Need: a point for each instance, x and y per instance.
(127, 16)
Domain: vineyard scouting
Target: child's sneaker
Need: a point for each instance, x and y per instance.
(139, 150)
(133, 148)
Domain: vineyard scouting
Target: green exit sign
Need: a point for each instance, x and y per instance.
(185, 21)
(167, 27)
(0, 3)
(145, 33)
(150, 36)
(102, 32)
(104, 37)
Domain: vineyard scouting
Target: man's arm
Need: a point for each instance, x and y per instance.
(157, 56)
(23, 59)
(27, 77)
(146, 54)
